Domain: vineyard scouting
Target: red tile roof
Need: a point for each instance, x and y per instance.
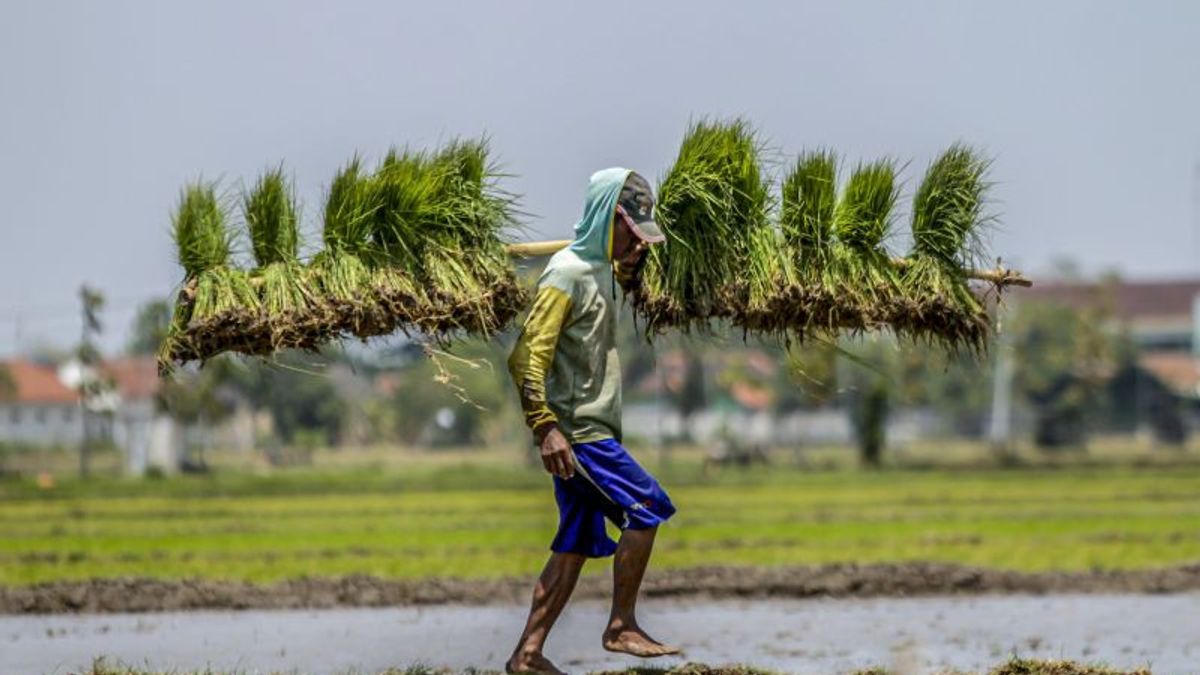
(1178, 370)
(134, 376)
(37, 384)
(1130, 300)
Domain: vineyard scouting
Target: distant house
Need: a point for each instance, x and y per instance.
(44, 409)
(1161, 391)
(146, 434)
(39, 409)
(1159, 315)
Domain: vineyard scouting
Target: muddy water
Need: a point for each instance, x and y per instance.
(801, 636)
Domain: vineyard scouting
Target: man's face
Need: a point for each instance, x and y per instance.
(634, 228)
(628, 248)
(629, 252)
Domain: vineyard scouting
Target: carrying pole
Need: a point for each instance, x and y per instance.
(1001, 276)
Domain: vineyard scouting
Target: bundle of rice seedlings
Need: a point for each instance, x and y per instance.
(948, 217)
(764, 307)
(862, 223)
(807, 222)
(441, 221)
(219, 304)
(348, 284)
(472, 227)
(292, 314)
(712, 206)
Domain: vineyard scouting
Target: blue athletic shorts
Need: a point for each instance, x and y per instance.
(608, 483)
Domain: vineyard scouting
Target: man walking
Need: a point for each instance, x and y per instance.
(568, 377)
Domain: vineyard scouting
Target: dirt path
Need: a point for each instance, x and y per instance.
(908, 579)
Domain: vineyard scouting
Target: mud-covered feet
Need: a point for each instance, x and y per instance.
(633, 640)
(531, 663)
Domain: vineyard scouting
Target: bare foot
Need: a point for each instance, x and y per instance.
(531, 663)
(635, 641)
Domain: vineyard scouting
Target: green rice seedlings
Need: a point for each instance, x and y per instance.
(764, 309)
(292, 314)
(443, 220)
(202, 243)
(807, 222)
(436, 234)
(862, 223)
(465, 257)
(400, 187)
(202, 239)
(404, 190)
(218, 301)
(948, 219)
(712, 205)
(342, 269)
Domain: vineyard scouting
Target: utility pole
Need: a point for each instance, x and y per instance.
(1196, 214)
(1000, 427)
(89, 358)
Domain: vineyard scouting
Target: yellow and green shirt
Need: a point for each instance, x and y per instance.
(565, 361)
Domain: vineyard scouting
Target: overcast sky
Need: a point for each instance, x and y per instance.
(1091, 110)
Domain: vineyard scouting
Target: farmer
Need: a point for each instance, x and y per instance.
(568, 378)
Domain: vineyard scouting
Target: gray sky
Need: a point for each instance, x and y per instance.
(1091, 110)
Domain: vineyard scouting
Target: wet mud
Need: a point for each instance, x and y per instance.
(837, 581)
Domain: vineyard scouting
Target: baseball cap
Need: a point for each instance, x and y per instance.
(637, 203)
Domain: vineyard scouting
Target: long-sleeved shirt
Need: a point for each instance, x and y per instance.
(565, 361)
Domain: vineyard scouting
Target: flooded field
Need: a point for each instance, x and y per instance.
(800, 636)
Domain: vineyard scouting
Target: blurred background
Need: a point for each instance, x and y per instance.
(1086, 109)
(1086, 370)
(1096, 163)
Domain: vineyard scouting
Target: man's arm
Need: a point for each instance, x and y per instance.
(529, 365)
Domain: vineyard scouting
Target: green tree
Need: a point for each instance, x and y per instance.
(91, 385)
(1063, 358)
(8, 385)
(149, 327)
(869, 414)
(809, 376)
(295, 392)
(452, 398)
(687, 393)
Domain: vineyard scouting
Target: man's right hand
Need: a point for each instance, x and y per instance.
(556, 453)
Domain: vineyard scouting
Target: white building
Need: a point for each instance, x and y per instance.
(39, 409)
(43, 409)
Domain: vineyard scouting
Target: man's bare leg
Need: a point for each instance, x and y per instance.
(629, 566)
(550, 595)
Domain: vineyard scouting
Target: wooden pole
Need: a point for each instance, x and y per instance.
(1000, 276)
(529, 249)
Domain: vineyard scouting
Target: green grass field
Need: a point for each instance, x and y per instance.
(493, 519)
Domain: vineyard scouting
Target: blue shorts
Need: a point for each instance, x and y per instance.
(608, 483)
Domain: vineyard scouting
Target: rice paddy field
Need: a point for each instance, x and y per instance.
(488, 519)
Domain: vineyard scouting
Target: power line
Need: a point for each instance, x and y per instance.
(125, 303)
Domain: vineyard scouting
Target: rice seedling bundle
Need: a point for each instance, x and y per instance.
(292, 314)
(821, 265)
(223, 306)
(764, 305)
(712, 206)
(416, 244)
(440, 223)
(806, 222)
(947, 222)
(862, 223)
(361, 301)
